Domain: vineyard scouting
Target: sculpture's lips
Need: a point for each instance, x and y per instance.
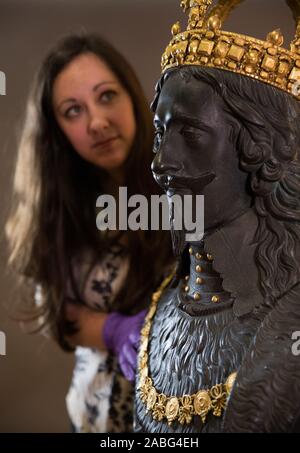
(183, 183)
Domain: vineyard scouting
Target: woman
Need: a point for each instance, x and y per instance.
(87, 131)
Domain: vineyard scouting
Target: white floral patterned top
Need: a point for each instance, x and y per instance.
(100, 399)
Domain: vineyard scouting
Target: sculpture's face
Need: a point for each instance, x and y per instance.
(196, 150)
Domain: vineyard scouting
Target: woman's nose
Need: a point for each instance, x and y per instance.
(98, 122)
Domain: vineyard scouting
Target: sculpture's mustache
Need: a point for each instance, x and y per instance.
(195, 183)
(181, 185)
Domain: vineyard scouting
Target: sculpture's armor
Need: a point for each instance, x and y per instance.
(234, 304)
(196, 344)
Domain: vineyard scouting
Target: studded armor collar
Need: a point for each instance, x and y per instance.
(222, 270)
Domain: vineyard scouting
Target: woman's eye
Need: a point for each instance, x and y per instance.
(73, 111)
(157, 140)
(107, 96)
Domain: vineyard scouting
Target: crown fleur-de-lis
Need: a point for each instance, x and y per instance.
(295, 7)
(185, 4)
(197, 12)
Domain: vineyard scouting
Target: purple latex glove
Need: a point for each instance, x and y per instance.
(121, 335)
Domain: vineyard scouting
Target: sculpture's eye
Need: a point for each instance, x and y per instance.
(191, 135)
(157, 139)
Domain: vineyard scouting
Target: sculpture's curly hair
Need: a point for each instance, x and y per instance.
(268, 141)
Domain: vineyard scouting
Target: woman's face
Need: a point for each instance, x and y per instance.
(95, 112)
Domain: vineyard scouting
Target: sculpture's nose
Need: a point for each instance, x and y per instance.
(163, 172)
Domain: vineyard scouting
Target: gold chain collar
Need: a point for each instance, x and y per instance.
(172, 408)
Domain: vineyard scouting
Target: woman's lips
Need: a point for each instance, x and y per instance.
(104, 143)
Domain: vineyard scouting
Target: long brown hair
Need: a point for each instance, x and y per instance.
(55, 194)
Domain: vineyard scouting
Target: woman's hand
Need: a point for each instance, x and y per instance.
(117, 332)
(121, 334)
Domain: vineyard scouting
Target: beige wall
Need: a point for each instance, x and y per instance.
(34, 375)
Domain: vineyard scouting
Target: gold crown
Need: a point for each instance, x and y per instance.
(205, 44)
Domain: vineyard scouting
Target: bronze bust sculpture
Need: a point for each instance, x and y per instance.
(216, 351)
